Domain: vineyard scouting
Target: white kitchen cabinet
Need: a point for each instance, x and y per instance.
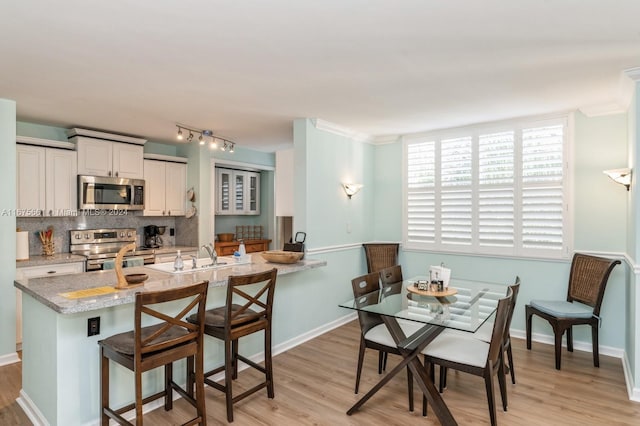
(40, 271)
(103, 158)
(237, 192)
(165, 192)
(46, 181)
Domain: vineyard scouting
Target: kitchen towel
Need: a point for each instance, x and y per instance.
(22, 245)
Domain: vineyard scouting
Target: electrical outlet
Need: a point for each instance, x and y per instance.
(93, 326)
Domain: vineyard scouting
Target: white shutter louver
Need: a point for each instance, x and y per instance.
(495, 194)
(456, 195)
(421, 192)
(542, 188)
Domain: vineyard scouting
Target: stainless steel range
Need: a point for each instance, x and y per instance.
(100, 245)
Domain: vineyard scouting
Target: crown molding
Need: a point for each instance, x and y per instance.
(161, 157)
(386, 139)
(336, 129)
(633, 74)
(603, 109)
(28, 140)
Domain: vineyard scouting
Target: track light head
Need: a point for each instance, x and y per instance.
(225, 145)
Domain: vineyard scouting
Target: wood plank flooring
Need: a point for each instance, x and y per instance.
(314, 386)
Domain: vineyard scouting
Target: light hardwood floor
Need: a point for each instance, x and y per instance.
(314, 386)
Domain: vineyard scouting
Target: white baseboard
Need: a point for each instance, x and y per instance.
(632, 391)
(577, 345)
(31, 410)
(7, 359)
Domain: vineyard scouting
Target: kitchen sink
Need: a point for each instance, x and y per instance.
(203, 264)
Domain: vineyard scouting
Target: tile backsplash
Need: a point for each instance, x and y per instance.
(186, 230)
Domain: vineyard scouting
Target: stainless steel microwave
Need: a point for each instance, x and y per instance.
(105, 193)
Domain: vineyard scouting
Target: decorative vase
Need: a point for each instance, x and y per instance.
(48, 249)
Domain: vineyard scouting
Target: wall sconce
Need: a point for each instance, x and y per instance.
(351, 189)
(621, 176)
(203, 136)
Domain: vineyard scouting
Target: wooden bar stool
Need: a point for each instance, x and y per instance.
(146, 348)
(247, 310)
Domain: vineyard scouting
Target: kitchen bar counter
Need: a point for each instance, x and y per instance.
(61, 358)
(47, 290)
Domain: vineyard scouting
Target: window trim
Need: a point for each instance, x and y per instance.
(565, 119)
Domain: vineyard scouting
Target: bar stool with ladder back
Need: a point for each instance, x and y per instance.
(146, 348)
(248, 309)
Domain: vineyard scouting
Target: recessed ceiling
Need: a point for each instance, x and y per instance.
(246, 69)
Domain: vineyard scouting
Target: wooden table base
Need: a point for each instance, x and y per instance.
(410, 354)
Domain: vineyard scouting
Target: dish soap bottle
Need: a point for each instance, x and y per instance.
(242, 250)
(178, 264)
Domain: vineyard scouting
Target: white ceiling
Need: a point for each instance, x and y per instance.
(246, 68)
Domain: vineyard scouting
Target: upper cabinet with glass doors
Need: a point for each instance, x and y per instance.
(238, 192)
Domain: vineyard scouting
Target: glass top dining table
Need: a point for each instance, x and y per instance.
(464, 305)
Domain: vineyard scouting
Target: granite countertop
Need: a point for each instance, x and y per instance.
(47, 290)
(70, 258)
(49, 260)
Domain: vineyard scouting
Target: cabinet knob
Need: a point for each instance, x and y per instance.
(109, 173)
(116, 174)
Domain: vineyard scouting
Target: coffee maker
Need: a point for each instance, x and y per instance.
(152, 236)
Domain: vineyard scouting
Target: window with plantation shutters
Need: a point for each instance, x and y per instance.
(502, 191)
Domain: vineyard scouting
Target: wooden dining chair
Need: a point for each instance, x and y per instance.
(248, 309)
(587, 282)
(146, 348)
(390, 275)
(473, 356)
(484, 334)
(373, 332)
(380, 255)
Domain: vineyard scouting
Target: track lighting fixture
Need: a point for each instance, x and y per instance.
(203, 136)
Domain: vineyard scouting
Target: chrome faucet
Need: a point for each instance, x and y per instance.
(212, 253)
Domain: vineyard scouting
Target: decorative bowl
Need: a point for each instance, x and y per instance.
(136, 278)
(281, 256)
(225, 238)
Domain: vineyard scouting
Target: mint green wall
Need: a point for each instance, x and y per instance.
(161, 148)
(633, 295)
(332, 218)
(300, 192)
(388, 190)
(41, 131)
(7, 227)
(600, 144)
